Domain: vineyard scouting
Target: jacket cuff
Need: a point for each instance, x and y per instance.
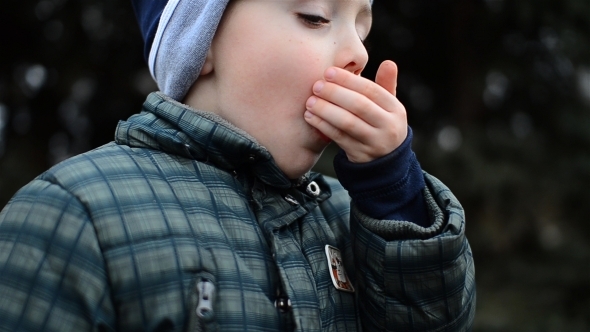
(389, 187)
(391, 230)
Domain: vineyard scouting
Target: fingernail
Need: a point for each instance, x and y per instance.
(317, 87)
(308, 114)
(330, 73)
(310, 102)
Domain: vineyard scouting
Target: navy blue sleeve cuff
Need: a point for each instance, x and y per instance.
(387, 188)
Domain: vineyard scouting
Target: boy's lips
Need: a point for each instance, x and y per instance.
(323, 137)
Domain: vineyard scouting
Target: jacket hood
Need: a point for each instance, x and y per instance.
(171, 127)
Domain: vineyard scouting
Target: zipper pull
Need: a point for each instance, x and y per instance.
(206, 291)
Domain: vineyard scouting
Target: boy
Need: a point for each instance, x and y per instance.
(202, 215)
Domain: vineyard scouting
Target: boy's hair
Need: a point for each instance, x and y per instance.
(177, 36)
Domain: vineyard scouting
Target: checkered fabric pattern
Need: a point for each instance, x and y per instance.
(118, 238)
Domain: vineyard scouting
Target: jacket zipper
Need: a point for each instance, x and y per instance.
(206, 291)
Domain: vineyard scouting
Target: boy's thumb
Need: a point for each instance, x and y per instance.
(387, 76)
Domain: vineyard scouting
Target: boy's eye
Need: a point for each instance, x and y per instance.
(314, 20)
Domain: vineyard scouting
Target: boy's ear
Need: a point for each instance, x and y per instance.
(208, 65)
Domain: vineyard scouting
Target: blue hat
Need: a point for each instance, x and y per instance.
(177, 36)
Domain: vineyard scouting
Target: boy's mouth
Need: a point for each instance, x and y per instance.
(323, 137)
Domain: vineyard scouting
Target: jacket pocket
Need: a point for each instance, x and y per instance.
(202, 304)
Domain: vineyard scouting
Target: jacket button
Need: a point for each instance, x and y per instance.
(313, 189)
(283, 304)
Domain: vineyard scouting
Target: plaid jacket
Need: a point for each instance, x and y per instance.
(186, 223)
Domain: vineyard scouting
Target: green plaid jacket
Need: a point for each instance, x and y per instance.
(186, 223)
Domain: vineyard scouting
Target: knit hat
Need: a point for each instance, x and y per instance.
(177, 36)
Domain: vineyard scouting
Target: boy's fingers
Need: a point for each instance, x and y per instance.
(374, 92)
(336, 122)
(387, 76)
(355, 137)
(339, 80)
(351, 101)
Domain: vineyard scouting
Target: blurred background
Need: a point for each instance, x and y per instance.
(497, 92)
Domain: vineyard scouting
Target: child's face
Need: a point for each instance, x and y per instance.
(265, 57)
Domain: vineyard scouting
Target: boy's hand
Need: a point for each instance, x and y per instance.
(363, 117)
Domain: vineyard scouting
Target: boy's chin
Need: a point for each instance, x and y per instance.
(295, 171)
(296, 174)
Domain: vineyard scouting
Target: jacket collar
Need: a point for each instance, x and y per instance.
(169, 126)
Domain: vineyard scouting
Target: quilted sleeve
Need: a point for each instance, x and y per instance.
(52, 272)
(412, 278)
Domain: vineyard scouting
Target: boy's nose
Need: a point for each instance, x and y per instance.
(352, 55)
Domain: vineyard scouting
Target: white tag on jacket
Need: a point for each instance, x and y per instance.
(337, 272)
